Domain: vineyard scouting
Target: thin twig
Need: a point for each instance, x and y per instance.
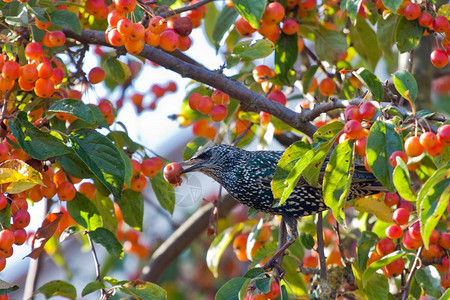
(321, 247)
(341, 245)
(411, 274)
(96, 262)
(184, 8)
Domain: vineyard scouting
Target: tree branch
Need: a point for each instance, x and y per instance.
(168, 251)
(250, 101)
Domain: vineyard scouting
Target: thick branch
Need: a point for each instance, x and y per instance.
(182, 238)
(250, 101)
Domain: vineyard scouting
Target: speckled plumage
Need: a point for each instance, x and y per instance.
(247, 175)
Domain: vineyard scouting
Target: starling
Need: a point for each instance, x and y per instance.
(247, 176)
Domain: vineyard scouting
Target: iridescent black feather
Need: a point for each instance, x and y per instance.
(247, 176)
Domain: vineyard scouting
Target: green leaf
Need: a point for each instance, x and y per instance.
(132, 207)
(193, 146)
(123, 141)
(312, 172)
(263, 284)
(114, 70)
(92, 287)
(254, 273)
(402, 182)
(57, 288)
(329, 43)
(5, 216)
(307, 240)
(365, 42)
(66, 18)
(101, 157)
(287, 165)
(386, 32)
(429, 281)
(74, 107)
(84, 212)
(210, 20)
(378, 289)
(218, 246)
(251, 10)
(366, 242)
(230, 290)
(327, 132)
(105, 206)
(286, 53)
(446, 295)
(296, 282)
(108, 240)
(224, 23)
(338, 178)
(128, 167)
(164, 192)
(352, 7)
(73, 165)
(6, 287)
(36, 143)
(381, 142)
(371, 82)
(308, 77)
(404, 81)
(408, 34)
(385, 260)
(143, 290)
(250, 49)
(430, 209)
(392, 5)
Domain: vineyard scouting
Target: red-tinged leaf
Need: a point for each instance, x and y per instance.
(44, 233)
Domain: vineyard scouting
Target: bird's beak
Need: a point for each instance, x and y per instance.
(192, 165)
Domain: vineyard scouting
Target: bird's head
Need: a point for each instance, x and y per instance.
(212, 159)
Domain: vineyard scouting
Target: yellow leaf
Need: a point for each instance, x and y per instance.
(357, 295)
(19, 175)
(375, 204)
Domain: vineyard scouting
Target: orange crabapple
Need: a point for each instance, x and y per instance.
(395, 268)
(290, 26)
(278, 96)
(125, 6)
(66, 191)
(400, 216)
(262, 73)
(21, 218)
(439, 58)
(327, 87)
(96, 75)
(351, 112)
(394, 232)
(57, 38)
(138, 182)
(29, 73)
(88, 189)
(440, 23)
(444, 134)
(394, 155)
(219, 97)
(274, 13)
(193, 100)
(218, 113)
(44, 87)
(353, 129)
(168, 40)
(385, 246)
(412, 11)
(157, 24)
(42, 25)
(11, 70)
(413, 147)
(425, 20)
(428, 139)
(367, 110)
(6, 239)
(243, 27)
(137, 32)
(149, 168)
(34, 51)
(205, 104)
